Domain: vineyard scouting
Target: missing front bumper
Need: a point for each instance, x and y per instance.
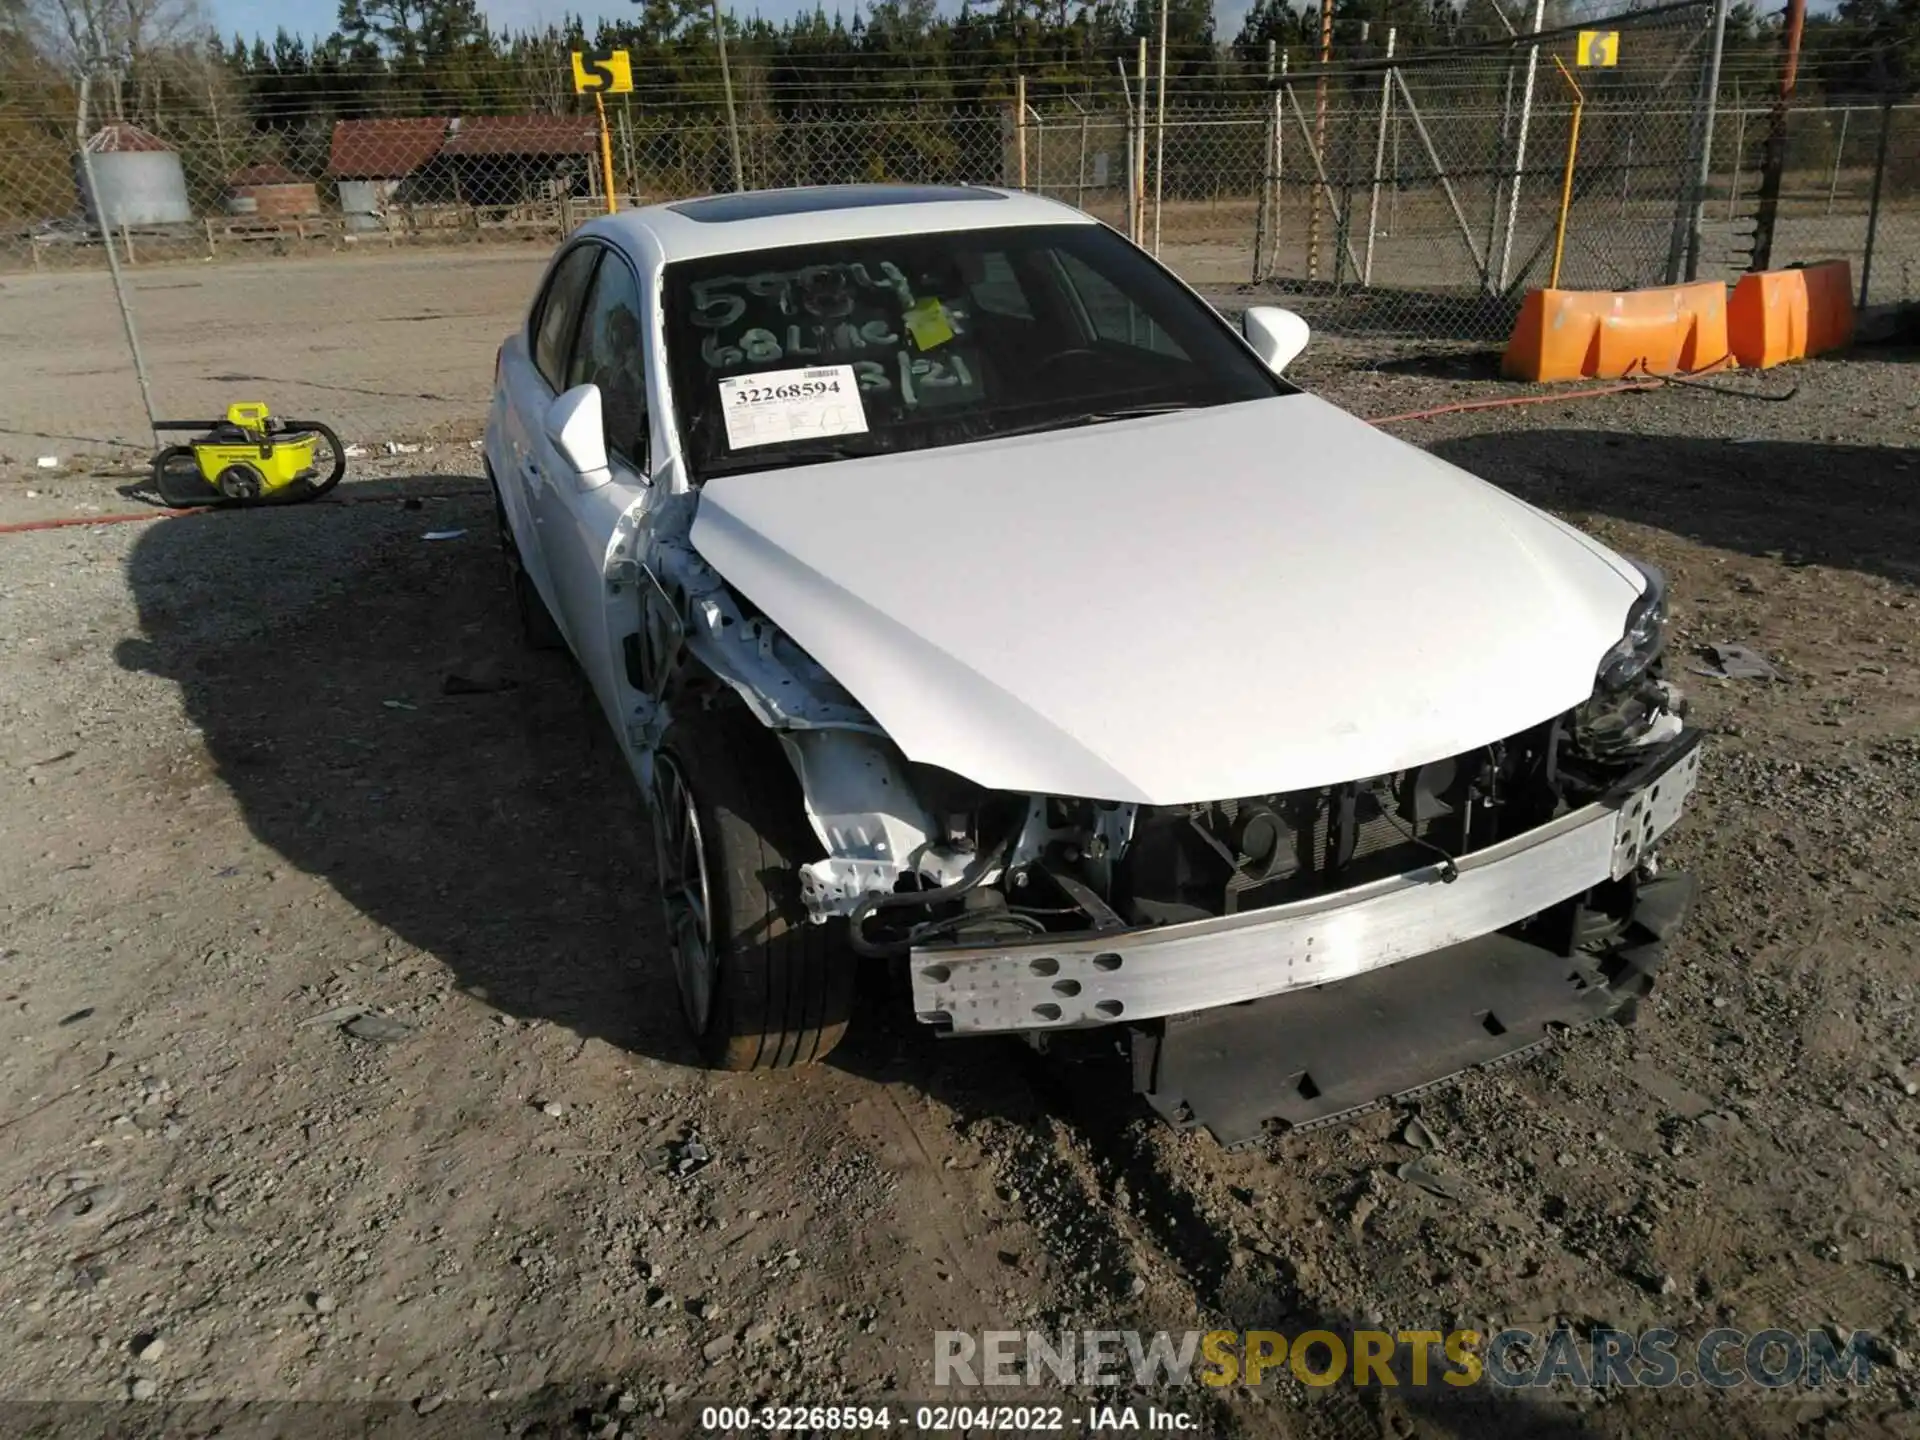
(1102, 978)
(1297, 1061)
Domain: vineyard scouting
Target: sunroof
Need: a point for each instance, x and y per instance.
(811, 200)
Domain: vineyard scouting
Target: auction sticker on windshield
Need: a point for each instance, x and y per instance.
(778, 405)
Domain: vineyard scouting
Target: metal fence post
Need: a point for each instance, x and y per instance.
(1520, 147)
(1393, 194)
(1039, 153)
(1126, 96)
(1140, 155)
(1317, 141)
(1776, 150)
(1499, 186)
(1839, 149)
(1379, 158)
(1705, 173)
(1279, 168)
(626, 146)
(1262, 213)
(1739, 148)
(1683, 245)
(1160, 132)
(1873, 201)
(1343, 220)
(1020, 130)
(1323, 186)
(726, 86)
(1482, 263)
(113, 258)
(1080, 170)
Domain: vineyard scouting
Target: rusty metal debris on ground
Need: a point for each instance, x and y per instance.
(362, 1022)
(1728, 661)
(682, 1157)
(1434, 1182)
(380, 1029)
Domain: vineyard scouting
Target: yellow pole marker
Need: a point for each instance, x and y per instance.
(1566, 184)
(607, 72)
(606, 150)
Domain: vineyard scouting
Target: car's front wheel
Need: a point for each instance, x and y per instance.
(761, 986)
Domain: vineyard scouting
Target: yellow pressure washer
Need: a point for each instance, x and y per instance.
(250, 458)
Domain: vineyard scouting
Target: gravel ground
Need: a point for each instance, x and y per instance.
(237, 809)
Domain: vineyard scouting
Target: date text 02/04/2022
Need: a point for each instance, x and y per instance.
(951, 1419)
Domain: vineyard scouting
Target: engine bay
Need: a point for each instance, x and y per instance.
(1046, 866)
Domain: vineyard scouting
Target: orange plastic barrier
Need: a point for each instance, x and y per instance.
(1781, 315)
(1604, 334)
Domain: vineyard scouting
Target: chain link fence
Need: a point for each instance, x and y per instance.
(357, 258)
(1421, 196)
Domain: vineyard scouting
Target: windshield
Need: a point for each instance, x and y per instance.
(867, 347)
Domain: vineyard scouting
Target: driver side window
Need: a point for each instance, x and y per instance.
(559, 309)
(610, 353)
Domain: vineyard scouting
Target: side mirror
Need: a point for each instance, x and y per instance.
(578, 431)
(1277, 336)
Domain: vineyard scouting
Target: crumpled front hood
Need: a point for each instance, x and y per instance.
(1242, 600)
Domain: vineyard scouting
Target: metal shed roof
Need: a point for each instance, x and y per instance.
(121, 139)
(523, 135)
(384, 149)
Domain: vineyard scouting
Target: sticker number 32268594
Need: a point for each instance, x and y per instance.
(777, 405)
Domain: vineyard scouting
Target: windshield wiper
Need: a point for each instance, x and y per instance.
(1094, 417)
(781, 459)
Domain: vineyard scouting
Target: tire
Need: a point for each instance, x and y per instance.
(537, 628)
(780, 988)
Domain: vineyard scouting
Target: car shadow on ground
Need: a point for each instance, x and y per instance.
(499, 831)
(495, 829)
(1854, 507)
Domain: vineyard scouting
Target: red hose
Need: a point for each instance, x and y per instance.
(67, 520)
(1516, 400)
(1650, 382)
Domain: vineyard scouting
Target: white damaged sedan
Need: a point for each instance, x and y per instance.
(969, 597)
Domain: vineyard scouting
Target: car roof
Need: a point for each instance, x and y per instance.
(767, 219)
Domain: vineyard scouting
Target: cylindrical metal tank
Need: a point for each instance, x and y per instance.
(362, 201)
(140, 180)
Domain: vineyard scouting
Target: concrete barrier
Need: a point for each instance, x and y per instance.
(1781, 315)
(1605, 334)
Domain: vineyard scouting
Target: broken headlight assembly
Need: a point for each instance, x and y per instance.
(1631, 705)
(1639, 649)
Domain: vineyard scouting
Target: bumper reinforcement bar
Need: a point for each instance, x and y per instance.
(1102, 978)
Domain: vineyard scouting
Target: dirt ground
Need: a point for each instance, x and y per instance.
(237, 808)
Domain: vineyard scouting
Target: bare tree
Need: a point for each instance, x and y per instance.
(122, 35)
